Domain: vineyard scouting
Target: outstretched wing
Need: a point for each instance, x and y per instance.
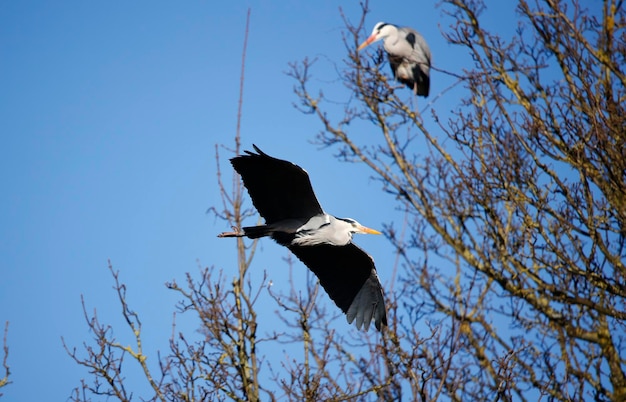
(348, 275)
(279, 189)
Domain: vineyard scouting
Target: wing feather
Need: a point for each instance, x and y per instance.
(348, 275)
(279, 189)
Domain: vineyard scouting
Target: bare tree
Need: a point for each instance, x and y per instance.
(510, 280)
(517, 202)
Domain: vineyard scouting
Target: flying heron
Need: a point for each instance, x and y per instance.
(408, 52)
(281, 191)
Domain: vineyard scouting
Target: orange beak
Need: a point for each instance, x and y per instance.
(366, 43)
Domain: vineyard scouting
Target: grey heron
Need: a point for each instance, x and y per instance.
(281, 191)
(408, 52)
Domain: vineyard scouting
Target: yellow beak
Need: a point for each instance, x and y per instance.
(366, 230)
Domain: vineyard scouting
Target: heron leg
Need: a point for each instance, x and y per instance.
(235, 233)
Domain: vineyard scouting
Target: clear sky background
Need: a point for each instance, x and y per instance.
(109, 117)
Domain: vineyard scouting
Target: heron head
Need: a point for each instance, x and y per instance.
(380, 31)
(356, 227)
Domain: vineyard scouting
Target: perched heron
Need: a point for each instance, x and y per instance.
(409, 55)
(282, 193)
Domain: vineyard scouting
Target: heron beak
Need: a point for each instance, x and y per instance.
(366, 230)
(366, 43)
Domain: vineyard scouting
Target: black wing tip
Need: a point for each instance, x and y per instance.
(261, 154)
(423, 90)
(258, 150)
(382, 323)
(421, 86)
(247, 154)
(379, 322)
(368, 305)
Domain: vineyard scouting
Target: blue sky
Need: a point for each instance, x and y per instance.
(109, 117)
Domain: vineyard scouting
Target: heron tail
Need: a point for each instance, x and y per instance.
(254, 232)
